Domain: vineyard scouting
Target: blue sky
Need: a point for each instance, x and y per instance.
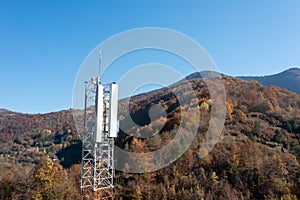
(43, 43)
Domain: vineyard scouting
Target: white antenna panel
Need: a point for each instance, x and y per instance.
(113, 128)
(99, 114)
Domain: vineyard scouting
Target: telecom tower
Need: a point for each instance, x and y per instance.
(100, 130)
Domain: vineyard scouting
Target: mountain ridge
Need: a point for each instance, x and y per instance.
(288, 79)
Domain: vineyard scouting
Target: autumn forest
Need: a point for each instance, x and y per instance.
(256, 157)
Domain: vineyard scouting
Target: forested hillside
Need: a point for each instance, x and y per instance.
(256, 157)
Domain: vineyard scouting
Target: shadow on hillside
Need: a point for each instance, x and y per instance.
(70, 155)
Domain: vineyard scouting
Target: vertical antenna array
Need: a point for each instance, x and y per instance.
(100, 129)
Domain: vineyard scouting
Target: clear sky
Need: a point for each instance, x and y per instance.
(43, 43)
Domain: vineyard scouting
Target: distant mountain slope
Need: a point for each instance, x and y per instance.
(4, 110)
(24, 137)
(289, 79)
